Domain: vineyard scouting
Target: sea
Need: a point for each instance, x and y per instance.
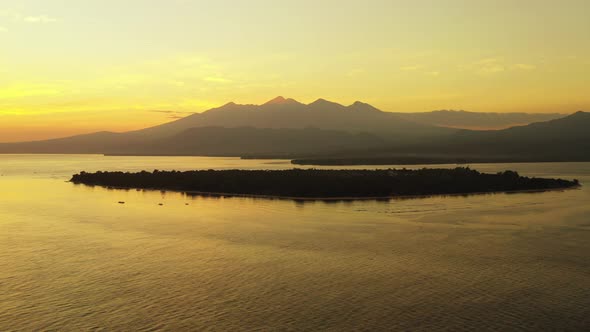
(80, 258)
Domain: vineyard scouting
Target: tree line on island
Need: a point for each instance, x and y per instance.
(315, 183)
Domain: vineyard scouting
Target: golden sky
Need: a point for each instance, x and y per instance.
(70, 67)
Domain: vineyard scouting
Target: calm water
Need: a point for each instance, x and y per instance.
(72, 258)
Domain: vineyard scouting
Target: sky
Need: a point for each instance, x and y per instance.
(76, 66)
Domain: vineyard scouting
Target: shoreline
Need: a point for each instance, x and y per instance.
(316, 199)
(296, 161)
(324, 185)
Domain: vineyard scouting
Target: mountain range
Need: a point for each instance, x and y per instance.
(281, 113)
(286, 128)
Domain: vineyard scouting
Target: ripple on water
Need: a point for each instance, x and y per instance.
(72, 258)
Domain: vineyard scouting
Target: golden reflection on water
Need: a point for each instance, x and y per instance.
(73, 258)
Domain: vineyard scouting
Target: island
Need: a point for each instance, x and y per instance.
(325, 184)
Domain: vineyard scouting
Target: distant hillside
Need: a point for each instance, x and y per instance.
(566, 139)
(245, 141)
(207, 141)
(476, 120)
(95, 143)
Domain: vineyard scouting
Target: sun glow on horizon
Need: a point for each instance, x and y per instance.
(108, 65)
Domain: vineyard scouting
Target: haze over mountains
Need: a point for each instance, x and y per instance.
(476, 120)
(287, 128)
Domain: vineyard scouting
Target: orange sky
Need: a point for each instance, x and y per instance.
(74, 67)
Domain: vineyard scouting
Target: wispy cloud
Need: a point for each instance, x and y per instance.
(497, 65)
(34, 19)
(492, 69)
(420, 69)
(215, 79)
(490, 66)
(174, 114)
(10, 15)
(42, 19)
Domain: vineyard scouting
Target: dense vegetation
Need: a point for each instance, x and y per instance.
(324, 183)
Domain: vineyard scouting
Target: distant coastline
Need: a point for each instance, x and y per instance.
(427, 160)
(297, 184)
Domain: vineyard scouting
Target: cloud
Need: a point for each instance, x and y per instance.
(39, 19)
(421, 69)
(492, 69)
(3, 29)
(490, 66)
(486, 66)
(217, 79)
(34, 19)
(171, 112)
(174, 114)
(10, 14)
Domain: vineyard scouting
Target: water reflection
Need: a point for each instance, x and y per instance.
(302, 201)
(72, 256)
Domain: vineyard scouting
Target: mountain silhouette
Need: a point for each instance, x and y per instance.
(289, 113)
(286, 127)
